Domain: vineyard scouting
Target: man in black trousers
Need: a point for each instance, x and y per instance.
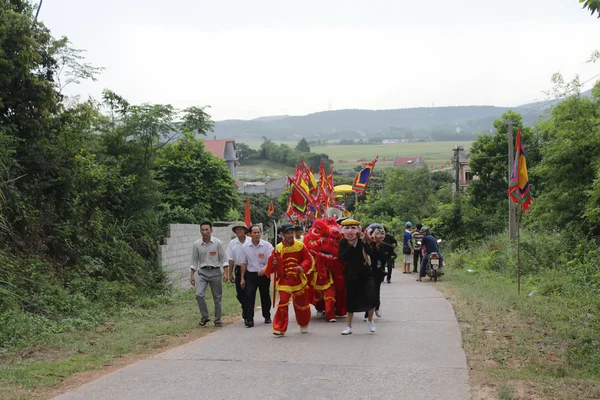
(390, 244)
(255, 255)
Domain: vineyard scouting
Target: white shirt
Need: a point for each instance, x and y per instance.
(234, 250)
(209, 254)
(256, 257)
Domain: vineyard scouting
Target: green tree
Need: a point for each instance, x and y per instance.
(489, 161)
(259, 208)
(194, 184)
(569, 171)
(592, 5)
(245, 152)
(303, 146)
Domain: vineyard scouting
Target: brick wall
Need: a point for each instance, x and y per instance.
(175, 255)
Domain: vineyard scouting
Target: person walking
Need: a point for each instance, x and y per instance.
(390, 244)
(417, 236)
(255, 255)
(407, 248)
(290, 262)
(208, 256)
(378, 260)
(234, 255)
(354, 251)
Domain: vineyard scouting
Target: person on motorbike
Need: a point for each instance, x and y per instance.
(430, 244)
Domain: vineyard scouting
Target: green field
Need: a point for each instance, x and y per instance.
(260, 169)
(436, 153)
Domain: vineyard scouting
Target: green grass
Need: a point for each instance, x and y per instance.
(34, 372)
(436, 153)
(260, 169)
(525, 346)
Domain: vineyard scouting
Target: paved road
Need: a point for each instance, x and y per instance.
(415, 354)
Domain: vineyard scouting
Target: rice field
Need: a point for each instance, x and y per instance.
(436, 153)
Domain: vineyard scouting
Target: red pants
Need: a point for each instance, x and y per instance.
(301, 308)
(325, 300)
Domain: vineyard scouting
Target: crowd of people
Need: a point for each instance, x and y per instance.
(367, 257)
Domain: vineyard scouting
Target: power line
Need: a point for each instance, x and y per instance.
(566, 94)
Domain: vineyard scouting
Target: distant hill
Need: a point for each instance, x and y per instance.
(424, 122)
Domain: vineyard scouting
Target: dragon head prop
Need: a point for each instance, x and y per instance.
(323, 237)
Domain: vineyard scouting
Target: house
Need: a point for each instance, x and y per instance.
(464, 170)
(404, 161)
(226, 150)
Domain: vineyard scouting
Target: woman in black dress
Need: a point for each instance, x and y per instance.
(355, 252)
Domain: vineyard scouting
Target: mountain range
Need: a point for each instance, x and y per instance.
(425, 122)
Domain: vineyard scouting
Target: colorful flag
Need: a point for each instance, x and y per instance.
(271, 208)
(362, 178)
(247, 219)
(518, 188)
(299, 199)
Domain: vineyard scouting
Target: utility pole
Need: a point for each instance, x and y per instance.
(512, 220)
(457, 150)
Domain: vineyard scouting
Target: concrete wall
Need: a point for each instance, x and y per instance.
(175, 255)
(274, 187)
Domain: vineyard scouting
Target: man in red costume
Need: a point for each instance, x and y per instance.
(290, 262)
(323, 241)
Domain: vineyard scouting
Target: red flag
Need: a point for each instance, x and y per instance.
(518, 187)
(247, 219)
(271, 208)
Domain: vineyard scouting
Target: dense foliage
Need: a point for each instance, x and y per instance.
(87, 188)
(560, 256)
(284, 154)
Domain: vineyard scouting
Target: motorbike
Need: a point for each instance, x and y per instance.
(433, 267)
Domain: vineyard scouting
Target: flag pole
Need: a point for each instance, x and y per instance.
(519, 252)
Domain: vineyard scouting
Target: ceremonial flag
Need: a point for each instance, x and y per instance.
(271, 208)
(312, 182)
(247, 219)
(362, 178)
(299, 199)
(518, 188)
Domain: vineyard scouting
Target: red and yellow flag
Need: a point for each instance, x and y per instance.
(518, 188)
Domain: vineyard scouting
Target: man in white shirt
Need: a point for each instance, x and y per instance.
(234, 254)
(208, 256)
(255, 255)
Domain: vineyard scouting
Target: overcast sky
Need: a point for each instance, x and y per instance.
(252, 58)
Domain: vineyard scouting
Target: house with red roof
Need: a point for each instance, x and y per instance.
(226, 150)
(404, 161)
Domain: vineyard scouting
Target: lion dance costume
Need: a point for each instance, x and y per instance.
(327, 289)
(291, 284)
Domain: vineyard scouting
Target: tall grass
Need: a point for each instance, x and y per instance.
(560, 289)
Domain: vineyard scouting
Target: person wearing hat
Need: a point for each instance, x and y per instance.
(407, 248)
(290, 262)
(234, 254)
(355, 252)
(430, 245)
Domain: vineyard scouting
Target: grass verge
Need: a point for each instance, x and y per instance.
(68, 360)
(523, 347)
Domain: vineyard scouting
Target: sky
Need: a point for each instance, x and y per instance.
(248, 59)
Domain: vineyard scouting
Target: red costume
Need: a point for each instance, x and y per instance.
(290, 283)
(327, 283)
